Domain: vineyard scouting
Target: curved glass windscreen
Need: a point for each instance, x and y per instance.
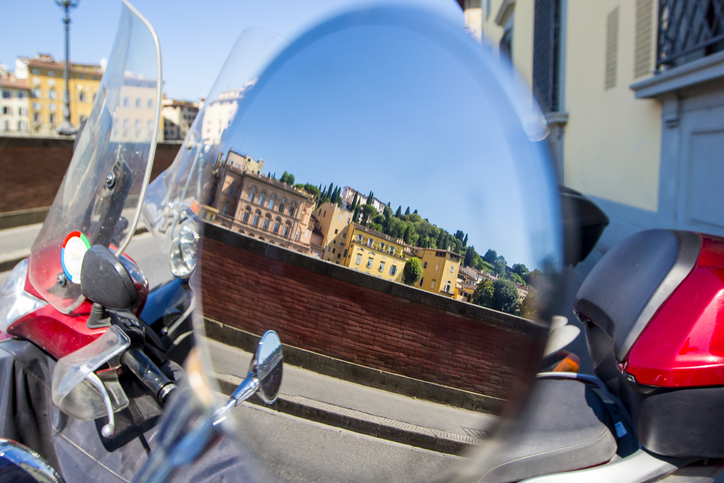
(103, 187)
(376, 200)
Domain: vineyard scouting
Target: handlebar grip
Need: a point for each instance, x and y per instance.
(156, 381)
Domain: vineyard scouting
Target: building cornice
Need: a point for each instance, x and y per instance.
(694, 74)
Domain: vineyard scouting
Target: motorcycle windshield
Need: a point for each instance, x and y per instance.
(172, 194)
(99, 199)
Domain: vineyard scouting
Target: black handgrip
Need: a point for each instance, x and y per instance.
(156, 381)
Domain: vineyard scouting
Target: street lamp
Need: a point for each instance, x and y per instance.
(67, 129)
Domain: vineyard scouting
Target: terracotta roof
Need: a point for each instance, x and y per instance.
(13, 82)
(48, 62)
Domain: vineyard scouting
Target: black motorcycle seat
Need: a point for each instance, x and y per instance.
(564, 428)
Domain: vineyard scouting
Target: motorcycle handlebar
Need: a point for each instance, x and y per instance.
(151, 376)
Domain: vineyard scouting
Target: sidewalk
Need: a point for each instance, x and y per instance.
(359, 408)
(15, 244)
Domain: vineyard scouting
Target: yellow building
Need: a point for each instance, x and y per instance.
(439, 270)
(634, 102)
(368, 251)
(331, 221)
(47, 87)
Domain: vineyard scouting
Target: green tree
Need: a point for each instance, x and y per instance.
(355, 202)
(521, 270)
(483, 294)
(499, 267)
(408, 235)
(505, 296)
(500, 295)
(470, 255)
(465, 240)
(398, 213)
(368, 212)
(514, 277)
(407, 211)
(287, 178)
(370, 198)
(490, 256)
(412, 273)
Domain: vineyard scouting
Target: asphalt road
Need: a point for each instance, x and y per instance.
(295, 450)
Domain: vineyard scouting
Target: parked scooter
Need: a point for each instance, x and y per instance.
(84, 378)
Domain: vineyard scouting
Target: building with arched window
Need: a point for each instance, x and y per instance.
(261, 207)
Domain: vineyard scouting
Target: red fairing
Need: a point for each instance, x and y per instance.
(56, 333)
(683, 344)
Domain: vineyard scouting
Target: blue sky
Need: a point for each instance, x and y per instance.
(195, 36)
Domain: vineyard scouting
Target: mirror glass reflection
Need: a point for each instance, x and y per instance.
(373, 198)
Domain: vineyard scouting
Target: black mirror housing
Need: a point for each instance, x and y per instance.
(104, 280)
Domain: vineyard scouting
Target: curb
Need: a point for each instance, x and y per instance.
(15, 219)
(359, 422)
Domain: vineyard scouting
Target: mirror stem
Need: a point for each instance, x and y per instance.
(243, 392)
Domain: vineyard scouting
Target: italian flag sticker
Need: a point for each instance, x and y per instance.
(72, 253)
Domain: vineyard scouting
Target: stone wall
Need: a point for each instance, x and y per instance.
(332, 310)
(32, 168)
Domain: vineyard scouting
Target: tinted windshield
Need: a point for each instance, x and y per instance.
(103, 187)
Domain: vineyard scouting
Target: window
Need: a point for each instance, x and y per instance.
(246, 215)
(81, 96)
(36, 117)
(452, 268)
(51, 73)
(359, 259)
(51, 107)
(37, 93)
(277, 224)
(281, 206)
(424, 265)
(138, 102)
(345, 253)
(382, 246)
(359, 238)
(52, 94)
(393, 270)
(287, 229)
(137, 124)
(382, 266)
(547, 53)
(432, 285)
(422, 280)
(291, 211)
(271, 204)
(369, 263)
(225, 210)
(251, 196)
(261, 199)
(52, 118)
(7, 94)
(21, 95)
(149, 104)
(370, 242)
(126, 102)
(7, 110)
(267, 220)
(36, 72)
(334, 250)
(437, 267)
(391, 251)
(447, 287)
(256, 218)
(231, 190)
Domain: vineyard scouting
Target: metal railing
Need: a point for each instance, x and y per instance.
(688, 30)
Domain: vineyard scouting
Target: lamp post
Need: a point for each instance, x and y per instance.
(66, 128)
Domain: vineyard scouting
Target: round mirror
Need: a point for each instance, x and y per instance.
(269, 366)
(375, 197)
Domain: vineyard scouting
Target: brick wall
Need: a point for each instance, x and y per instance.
(328, 309)
(31, 169)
